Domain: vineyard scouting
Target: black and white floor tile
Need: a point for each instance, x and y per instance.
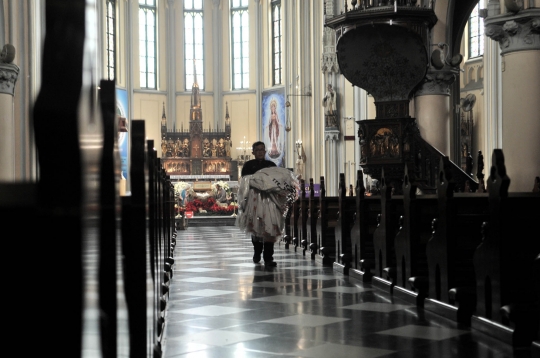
(223, 305)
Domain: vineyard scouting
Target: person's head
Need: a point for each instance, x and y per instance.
(259, 150)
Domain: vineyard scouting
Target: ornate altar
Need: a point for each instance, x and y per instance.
(196, 151)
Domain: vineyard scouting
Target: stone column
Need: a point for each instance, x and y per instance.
(432, 108)
(8, 77)
(518, 34)
(331, 138)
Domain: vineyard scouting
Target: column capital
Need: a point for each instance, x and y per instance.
(8, 77)
(437, 82)
(8, 71)
(331, 135)
(515, 31)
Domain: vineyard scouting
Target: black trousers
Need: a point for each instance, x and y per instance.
(264, 248)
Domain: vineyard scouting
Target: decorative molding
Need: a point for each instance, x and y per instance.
(332, 135)
(8, 77)
(518, 31)
(436, 82)
(329, 62)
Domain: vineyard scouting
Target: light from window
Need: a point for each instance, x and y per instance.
(147, 43)
(476, 34)
(276, 41)
(193, 43)
(240, 44)
(111, 39)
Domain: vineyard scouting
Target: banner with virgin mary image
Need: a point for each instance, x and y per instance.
(273, 125)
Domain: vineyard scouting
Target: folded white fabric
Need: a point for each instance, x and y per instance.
(264, 199)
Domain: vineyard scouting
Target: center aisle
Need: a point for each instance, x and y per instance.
(223, 305)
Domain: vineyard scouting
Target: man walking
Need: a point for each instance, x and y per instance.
(249, 168)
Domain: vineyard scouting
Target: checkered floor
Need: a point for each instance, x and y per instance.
(222, 305)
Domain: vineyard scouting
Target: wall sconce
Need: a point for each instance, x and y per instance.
(307, 93)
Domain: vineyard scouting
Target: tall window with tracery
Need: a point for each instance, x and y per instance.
(240, 44)
(110, 42)
(148, 43)
(276, 42)
(193, 43)
(476, 34)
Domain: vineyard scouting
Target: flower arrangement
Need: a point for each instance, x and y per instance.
(208, 207)
(202, 204)
(222, 184)
(180, 187)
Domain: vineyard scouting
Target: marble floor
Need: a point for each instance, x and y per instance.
(223, 305)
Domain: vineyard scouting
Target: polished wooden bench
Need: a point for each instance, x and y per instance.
(326, 224)
(507, 263)
(384, 275)
(311, 224)
(456, 234)
(368, 207)
(415, 229)
(301, 221)
(346, 217)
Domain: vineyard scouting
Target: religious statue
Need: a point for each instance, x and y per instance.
(163, 147)
(329, 102)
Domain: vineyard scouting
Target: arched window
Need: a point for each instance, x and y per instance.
(476, 34)
(240, 44)
(110, 41)
(276, 42)
(147, 44)
(193, 43)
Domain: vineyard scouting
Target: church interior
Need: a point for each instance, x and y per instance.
(411, 125)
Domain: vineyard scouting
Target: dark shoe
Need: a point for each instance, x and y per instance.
(258, 249)
(257, 258)
(268, 254)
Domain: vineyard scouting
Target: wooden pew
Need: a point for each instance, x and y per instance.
(287, 237)
(147, 230)
(507, 263)
(311, 223)
(383, 237)
(295, 213)
(456, 234)
(411, 241)
(326, 225)
(346, 217)
(368, 207)
(302, 218)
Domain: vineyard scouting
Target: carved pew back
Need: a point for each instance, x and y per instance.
(507, 286)
(295, 213)
(411, 241)
(384, 235)
(346, 214)
(301, 228)
(456, 234)
(311, 224)
(368, 207)
(326, 224)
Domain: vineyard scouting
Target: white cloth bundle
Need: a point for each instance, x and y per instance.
(264, 199)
